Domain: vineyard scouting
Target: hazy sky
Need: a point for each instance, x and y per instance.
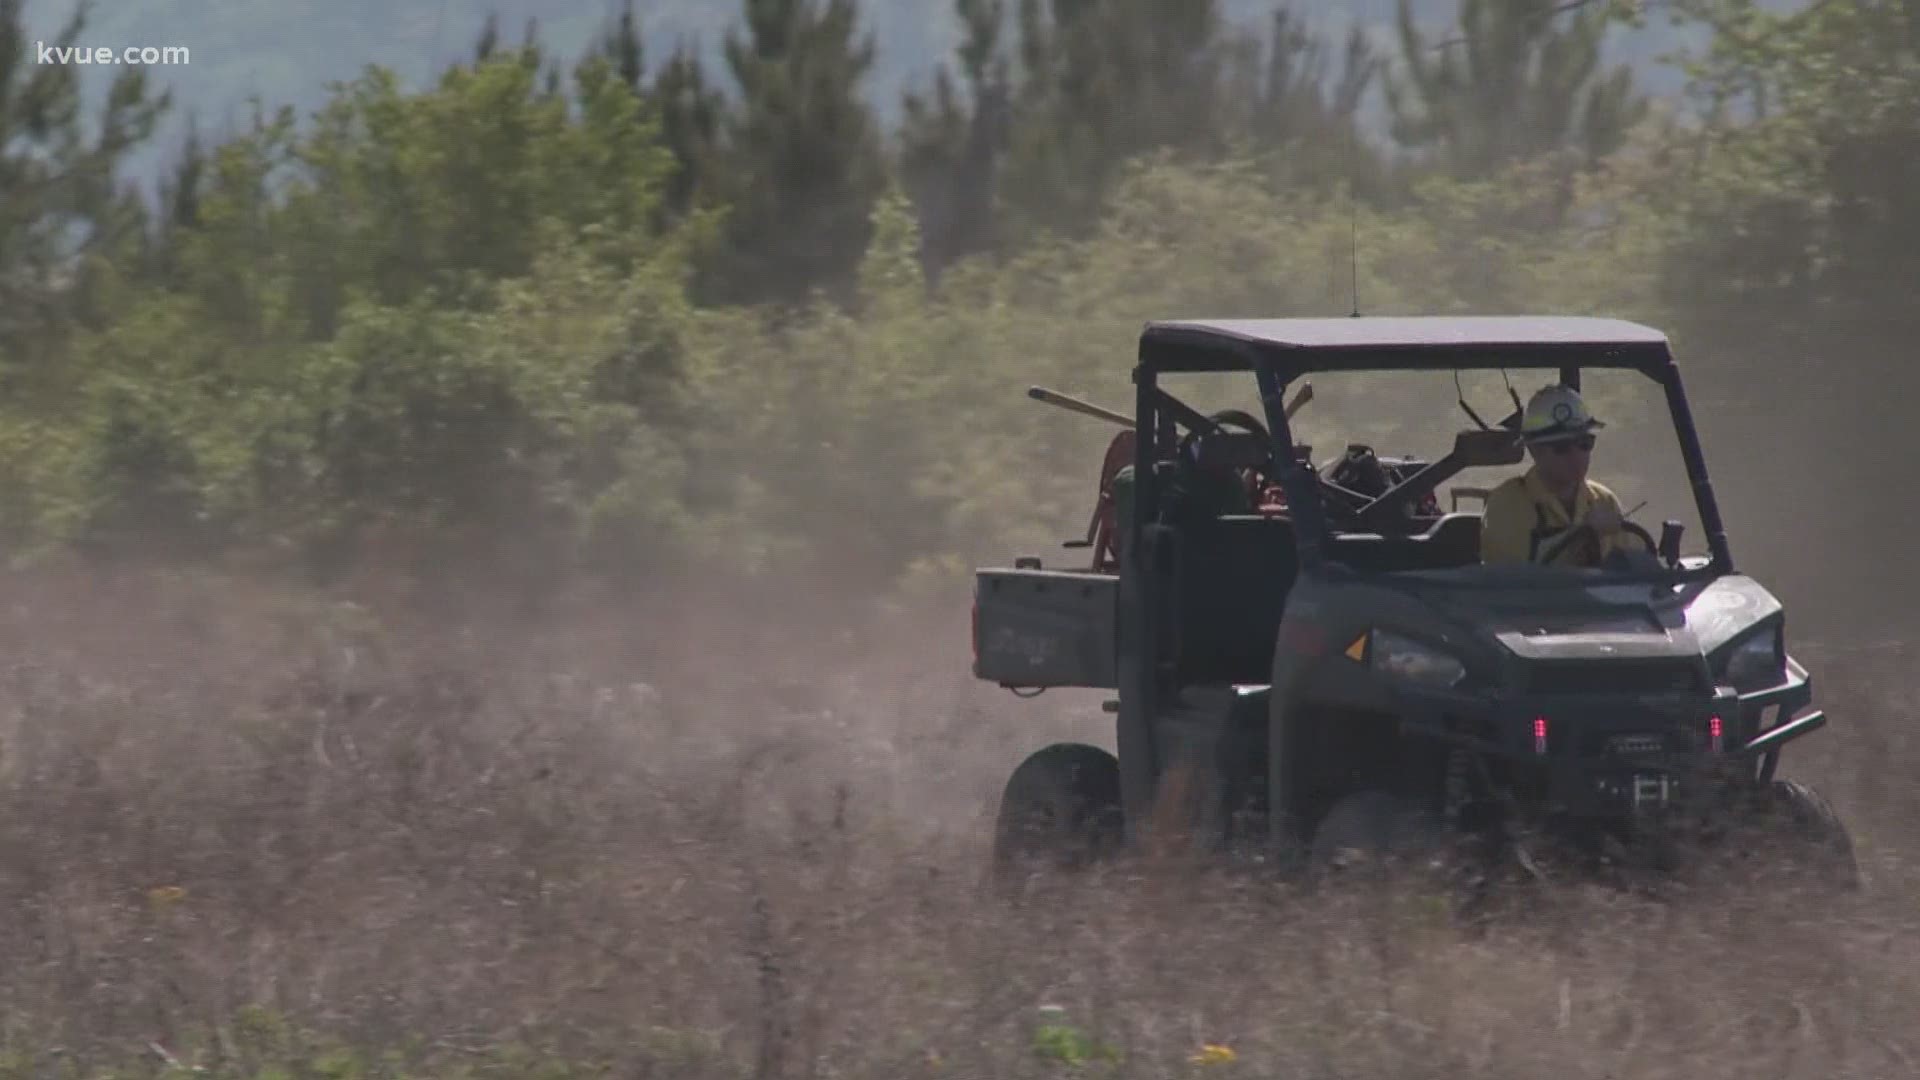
(286, 51)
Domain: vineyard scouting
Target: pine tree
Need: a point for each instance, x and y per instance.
(1289, 103)
(1520, 80)
(623, 48)
(179, 198)
(181, 194)
(801, 159)
(489, 40)
(691, 115)
(61, 198)
(688, 110)
(1102, 82)
(952, 146)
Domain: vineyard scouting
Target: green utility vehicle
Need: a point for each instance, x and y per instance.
(1315, 660)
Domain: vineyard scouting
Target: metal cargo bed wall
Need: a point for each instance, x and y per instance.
(1046, 628)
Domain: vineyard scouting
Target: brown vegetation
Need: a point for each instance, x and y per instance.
(715, 835)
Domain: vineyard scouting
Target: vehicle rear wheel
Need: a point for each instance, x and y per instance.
(1060, 810)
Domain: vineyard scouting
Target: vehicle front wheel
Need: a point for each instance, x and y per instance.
(1801, 828)
(1786, 829)
(1373, 828)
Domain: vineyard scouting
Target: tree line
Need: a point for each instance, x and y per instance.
(625, 312)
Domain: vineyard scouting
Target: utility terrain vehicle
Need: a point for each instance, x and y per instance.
(1317, 661)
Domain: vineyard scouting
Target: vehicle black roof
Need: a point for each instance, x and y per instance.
(1415, 343)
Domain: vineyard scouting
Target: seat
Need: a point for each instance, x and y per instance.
(1452, 540)
(1232, 575)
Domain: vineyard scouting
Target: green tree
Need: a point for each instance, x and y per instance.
(952, 145)
(1102, 82)
(801, 161)
(178, 199)
(62, 209)
(622, 47)
(323, 351)
(1291, 106)
(692, 114)
(1520, 79)
(1802, 198)
(677, 97)
(1791, 226)
(448, 190)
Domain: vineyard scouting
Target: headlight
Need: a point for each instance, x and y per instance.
(1756, 663)
(1413, 661)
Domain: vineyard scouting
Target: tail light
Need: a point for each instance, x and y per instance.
(1716, 734)
(1540, 735)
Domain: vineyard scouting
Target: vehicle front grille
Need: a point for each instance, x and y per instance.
(1615, 677)
(1638, 744)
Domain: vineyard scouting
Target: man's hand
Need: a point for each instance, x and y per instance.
(1604, 518)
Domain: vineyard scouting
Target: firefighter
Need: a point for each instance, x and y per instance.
(1553, 514)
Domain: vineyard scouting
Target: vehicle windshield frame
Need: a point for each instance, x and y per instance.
(1281, 352)
(1316, 534)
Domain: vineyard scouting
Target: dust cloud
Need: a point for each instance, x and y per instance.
(714, 830)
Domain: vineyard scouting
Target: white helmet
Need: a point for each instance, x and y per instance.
(1556, 414)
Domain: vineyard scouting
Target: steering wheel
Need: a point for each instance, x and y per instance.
(1241, 419)
(1226, 418)
(1620, 559)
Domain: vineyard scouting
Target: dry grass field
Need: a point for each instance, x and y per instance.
(246, 832)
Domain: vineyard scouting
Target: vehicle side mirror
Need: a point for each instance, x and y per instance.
(1485, 449)
(1670, 542)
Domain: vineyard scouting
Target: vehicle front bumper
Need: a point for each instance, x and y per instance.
(1607, 755)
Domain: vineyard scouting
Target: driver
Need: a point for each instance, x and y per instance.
(1528, 517)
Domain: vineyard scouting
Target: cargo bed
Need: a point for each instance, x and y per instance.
(1046, 628)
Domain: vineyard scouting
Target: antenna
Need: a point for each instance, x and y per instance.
(1353, 222)
(1353, 249)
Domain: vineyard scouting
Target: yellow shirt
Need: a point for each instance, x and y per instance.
(1523, 517)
